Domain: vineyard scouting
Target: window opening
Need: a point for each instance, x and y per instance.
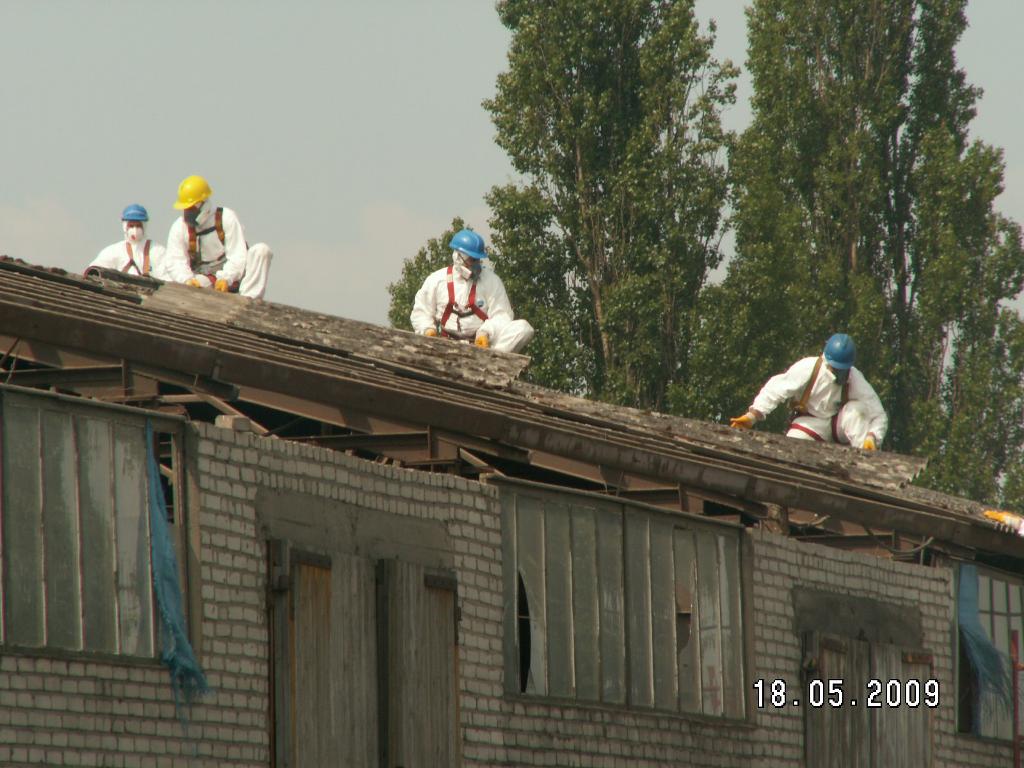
(523, 625)
(989, 609)
(168, 481)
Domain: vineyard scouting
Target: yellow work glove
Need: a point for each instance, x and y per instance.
(482, 341)
(746, 421)
(1007, 522)
(221, 285)
(869, 443)
(194, 282)
(430, 332)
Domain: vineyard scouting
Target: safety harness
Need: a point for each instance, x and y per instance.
(455, 309)
(194, 259)
(131, 259)
(799, 407)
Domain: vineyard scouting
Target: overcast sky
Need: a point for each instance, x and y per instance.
(344, 134)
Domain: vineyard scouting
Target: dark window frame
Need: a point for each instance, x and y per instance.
(76, 616)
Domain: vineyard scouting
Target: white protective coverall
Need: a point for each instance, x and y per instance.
(505, 334)
(826, 421)
(231, 260)
(130, 256)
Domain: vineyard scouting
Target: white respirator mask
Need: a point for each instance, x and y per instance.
(468, 267)
(134, 231)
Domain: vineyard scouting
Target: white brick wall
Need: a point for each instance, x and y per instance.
(86, 712)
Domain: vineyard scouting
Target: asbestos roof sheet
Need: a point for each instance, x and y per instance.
(365, 341)
(328, 359)
(882, 469)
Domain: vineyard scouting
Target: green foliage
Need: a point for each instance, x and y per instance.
(431, 257)
(610, 111)
(861, 205)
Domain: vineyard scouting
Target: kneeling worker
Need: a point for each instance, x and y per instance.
(836, 403)
(466, 301)
(135, 255)
(206, 246)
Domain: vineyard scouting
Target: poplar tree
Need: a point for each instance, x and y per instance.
(609, 111)
(862, 205)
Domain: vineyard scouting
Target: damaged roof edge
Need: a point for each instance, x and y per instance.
(395, 374)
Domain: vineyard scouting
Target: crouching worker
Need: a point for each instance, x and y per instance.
(135, 255)
(831, 400)
(206, 246)
(466, 301)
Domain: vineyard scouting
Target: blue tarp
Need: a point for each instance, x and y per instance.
(187, 678)
(991, 665)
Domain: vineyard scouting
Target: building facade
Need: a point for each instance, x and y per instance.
(348, 613)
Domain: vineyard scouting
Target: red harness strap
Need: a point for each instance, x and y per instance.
(451, 308)
(131, 259)
(807, 431)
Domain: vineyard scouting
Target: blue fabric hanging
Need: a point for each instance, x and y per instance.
(991, 665)
(187, 678)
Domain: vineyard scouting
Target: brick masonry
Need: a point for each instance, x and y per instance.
(86, 712)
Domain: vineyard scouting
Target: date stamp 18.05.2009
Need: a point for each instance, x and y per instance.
(873, 694)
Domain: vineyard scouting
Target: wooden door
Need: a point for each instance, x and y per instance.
(893, 730)
(419, 682)
(837, 737)
(324, 660)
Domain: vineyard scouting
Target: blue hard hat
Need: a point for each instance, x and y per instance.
(134, 212)
(840, 351)
(468, 242)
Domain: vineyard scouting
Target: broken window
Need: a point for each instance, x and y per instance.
(75, 565)
(989, 610)
(620, 604)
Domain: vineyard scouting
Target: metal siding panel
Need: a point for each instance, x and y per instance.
(984, 593)
(710, 624)
(638, 609)
(60, 530)
(585, 604)
(558, 599)
(997, 718)
(732, 634)
(663, 610)
(23, 576)
(999, 603)
(134, 579)
(687, 620)
(612, 615)
(530, 540)
(96, 505)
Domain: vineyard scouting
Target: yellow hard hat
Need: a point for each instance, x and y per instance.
(192, 190)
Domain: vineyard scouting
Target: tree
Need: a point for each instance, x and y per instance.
(610, 112)
(861, 205)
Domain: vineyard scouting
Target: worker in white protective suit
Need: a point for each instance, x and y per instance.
(831, 401)
(466, 301)
(136, 254)
(206, 246)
